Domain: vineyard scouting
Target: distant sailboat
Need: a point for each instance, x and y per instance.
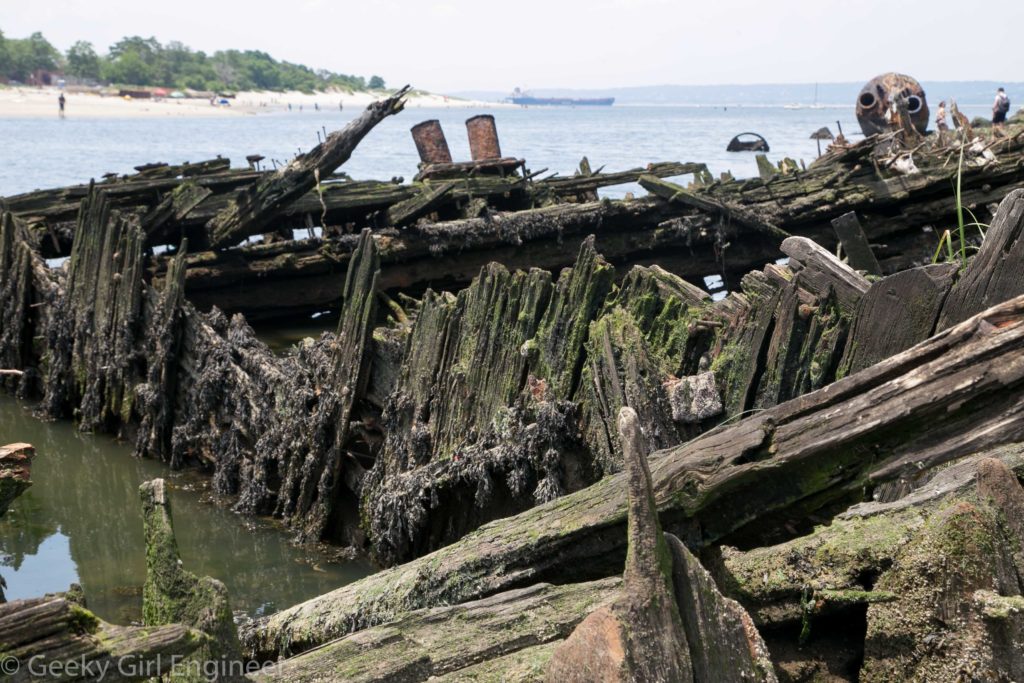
(816, 105)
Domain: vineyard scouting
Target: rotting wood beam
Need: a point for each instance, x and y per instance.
(889, 421)
(254, 207)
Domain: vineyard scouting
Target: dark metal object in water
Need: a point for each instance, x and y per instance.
(758, 145)
(823, 133)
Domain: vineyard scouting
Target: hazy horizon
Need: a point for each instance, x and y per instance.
(457, 46)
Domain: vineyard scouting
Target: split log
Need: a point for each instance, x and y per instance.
(814, 452)
(55, 638)
(253, 208)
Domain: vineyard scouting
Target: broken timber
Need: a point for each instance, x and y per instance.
(816, 451)
(254, 207)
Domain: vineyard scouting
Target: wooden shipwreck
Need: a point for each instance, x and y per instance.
(508, 349)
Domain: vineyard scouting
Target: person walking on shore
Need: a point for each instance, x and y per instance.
(60, 103)
(940, 117)
(1000, 108)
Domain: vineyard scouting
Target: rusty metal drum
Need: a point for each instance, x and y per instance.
(483, 138)
(431, 143)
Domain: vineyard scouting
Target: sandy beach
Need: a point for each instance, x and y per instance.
(27, 102)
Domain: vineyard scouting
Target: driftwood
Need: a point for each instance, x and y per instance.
(421, 421)
(295, 277)
(549, 363)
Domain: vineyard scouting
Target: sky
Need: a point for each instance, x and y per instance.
(453, 45)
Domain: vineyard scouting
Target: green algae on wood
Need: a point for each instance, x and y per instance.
(172, 594)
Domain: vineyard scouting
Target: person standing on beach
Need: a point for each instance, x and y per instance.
(940, 117)
(1000, 108)
(60, 103)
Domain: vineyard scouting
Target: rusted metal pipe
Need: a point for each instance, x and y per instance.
(483, 137)
(431, 143)
(876, 99)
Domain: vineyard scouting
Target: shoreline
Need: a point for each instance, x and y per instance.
(24, 102)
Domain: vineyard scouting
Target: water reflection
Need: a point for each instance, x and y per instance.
(81, 521)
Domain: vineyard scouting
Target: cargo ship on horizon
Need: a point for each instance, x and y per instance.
(525, 99)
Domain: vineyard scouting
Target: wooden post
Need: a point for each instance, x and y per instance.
(855, 243)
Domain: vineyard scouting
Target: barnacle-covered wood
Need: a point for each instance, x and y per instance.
(813, 452)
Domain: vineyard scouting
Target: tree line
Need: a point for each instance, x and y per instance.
(139, 61)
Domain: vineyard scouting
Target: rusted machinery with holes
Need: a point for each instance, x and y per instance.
(878, 99)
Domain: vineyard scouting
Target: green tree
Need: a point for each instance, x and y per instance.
(5, 57)
(43, 55)
(129, 69)
(376, 83)
(145, 48)
(29, 55)
(82, 61)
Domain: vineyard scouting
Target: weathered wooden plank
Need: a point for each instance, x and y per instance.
(855, 243)
(896, 313)
(996, 273)
(423, 203)
(676, 193)
(425, 643)
(819, 270)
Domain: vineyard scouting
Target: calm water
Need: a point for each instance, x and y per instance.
(50, 153)
(81, 522)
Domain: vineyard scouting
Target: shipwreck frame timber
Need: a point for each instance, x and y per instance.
(492, 400)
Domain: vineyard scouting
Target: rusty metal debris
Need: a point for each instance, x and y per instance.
(877, 101)
(758, 145)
